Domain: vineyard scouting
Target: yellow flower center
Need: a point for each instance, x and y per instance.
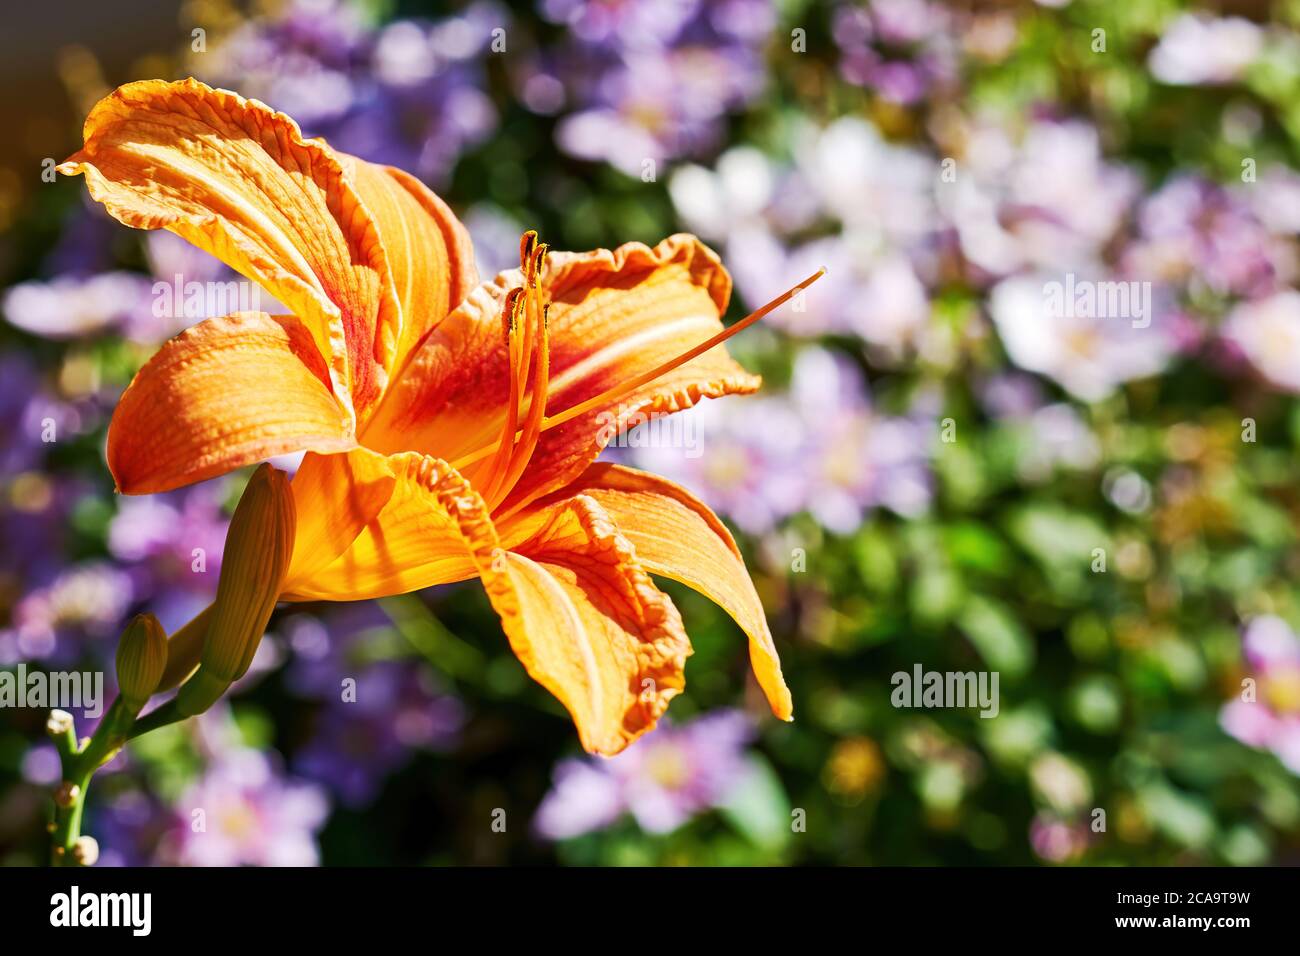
(1281, 689)
(667, 766)
(239, 821)
(727, 467)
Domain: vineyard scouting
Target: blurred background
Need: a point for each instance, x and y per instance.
(941, 469)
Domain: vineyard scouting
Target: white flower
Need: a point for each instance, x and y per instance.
(1196, 49)
(1268, 333)
(1090, 355)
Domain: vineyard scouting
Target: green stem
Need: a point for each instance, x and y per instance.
(168, 713)
(79, 765)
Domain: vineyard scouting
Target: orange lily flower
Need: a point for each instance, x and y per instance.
(451, 426)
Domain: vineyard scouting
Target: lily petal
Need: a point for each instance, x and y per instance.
(417, 539)
(223, 394)
(429, 250)
(677, 535)
(590, 626)
(613, 315)
(335, 497)
(580, 612)
(238, 180)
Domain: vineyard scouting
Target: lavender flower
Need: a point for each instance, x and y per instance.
(70, 307)
(130, 826)
(1057, 840)
(901, 49)
(1269, 719)
(821, 448)
(1044, 197)
(670, 776)
(653, 82)
(26, 409)
(857, 459)
(329, 648)
(392, 710)
(1195, 232)
(241, 812)
(408, 95)
(746, 464)
(880, 195)
(172, 543)
(89, 600)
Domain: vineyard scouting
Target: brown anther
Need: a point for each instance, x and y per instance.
(534, 271)
(510, 312)
(526, 243)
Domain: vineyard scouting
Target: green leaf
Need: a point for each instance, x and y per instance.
(758, 806)
(997, 635)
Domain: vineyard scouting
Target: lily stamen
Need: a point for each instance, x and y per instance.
(645, 378)
(524, 304)
(516, 352)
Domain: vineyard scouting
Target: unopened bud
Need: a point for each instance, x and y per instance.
(66, 794)
(58, 723)
(258, 548)
(86, 851)
(141, 660)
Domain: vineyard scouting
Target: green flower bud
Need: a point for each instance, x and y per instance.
(141, 659)
(258, 548)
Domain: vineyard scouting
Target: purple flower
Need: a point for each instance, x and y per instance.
(622, 25)
(857, 459)
(495, 235)
(652, 81)
(1269, 718)
(241, 812)
(27, 410)
(880, 195)
(1057, 436)
(899, 48)
(1042, 197)
(38, 513)
(670, 776)
(369, 729)
(329, 648)
(178, 536)
(1056, 840)
(1011, 395)
(820, 448)
(129, 825)
(408, 95)
(1196, 232)
(89, 600)
(743, 459)
(70, 307)
(42, 765)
